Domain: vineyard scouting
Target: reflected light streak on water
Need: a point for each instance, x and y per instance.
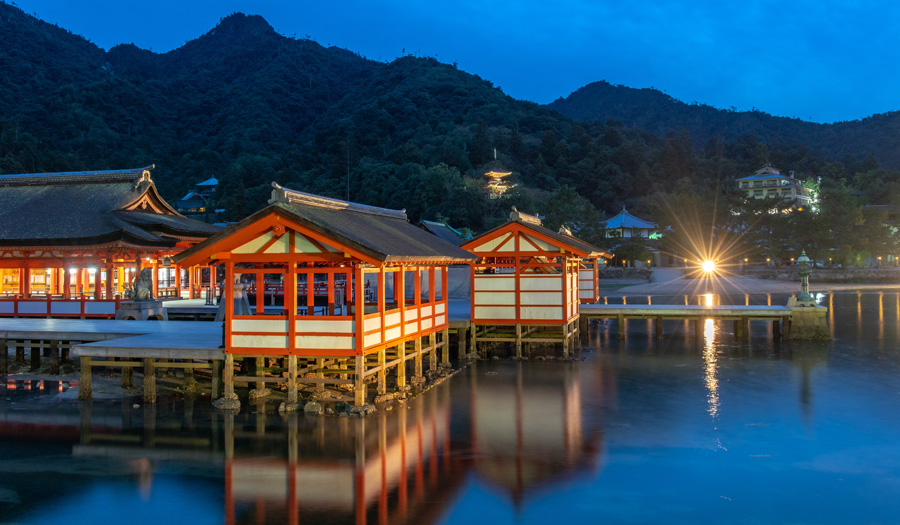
(710, 361)
(880, 315)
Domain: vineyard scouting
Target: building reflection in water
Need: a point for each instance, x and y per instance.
(527, 427)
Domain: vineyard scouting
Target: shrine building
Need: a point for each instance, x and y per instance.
(71, 243)
(525, 284)
(341, 291)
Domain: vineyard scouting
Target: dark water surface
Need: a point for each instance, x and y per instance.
(678, 430)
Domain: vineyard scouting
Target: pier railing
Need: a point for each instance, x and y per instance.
(55, 306)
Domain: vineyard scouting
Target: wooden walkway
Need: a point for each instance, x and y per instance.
(780, 316)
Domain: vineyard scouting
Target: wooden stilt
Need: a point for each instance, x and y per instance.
(473, 339)
(432, 352)
(35, 357)
(54, 357)
(518, 341)
(745, 328)
(620, 326)
(461, 344)
(659, 327)
(292, 379)
(260, 371)
(216, 380)
(445, 349)
(567, 339)
(359, 386)
(381, 387)
(417, 360)
(320, 363)
(84, 389)
(20, 352)
(149, 381)
(127, 377)
(401, 368)
(228, 375)
(776, 330)
(698, 329)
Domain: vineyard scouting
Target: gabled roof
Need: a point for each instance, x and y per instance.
(87, 208)
(443, 231)
(212, 181)
(627, 220)
(379, 234)
(567, 242)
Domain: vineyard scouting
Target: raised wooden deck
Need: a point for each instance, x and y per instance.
(740, 314)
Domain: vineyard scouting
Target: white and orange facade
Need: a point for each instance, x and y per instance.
(73, 242)
(527, 277)
(342, 284)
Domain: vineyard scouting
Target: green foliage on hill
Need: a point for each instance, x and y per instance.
(249, 106)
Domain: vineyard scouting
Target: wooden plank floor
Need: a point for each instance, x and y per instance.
(674, 311)
(109, 338)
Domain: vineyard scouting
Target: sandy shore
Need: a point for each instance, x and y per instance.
(667, 281)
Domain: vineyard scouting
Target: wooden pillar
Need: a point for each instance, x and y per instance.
(698, 329)
(320, 367)
(659, 327)
(79, 282)
(54, 357)
(567, 339)
(292, 380)
(473, 338)
(228, 375)
(417, 360)
(127, 376)
(518, 341)
(35, 355)
(620, 326)
(216, 380)
(20, 352)
(190, 273)
(149, 381)
(109, 281)
(25, 282)
(67, 283)
(4, 358)
(359, 386)
(445, 349)
(84, 389)
(745, 327)
(461, 344)
(776, 330)
(401, 368)
(737, 330)
(260, 371)
(177, 281)
(381, 387)
(432, 357)
(154, 264)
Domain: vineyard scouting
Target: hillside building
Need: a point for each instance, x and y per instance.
(769, 183)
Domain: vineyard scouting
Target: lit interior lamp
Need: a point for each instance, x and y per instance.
(709, 266)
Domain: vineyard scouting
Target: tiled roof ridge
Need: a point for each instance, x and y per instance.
(289, 196)
(126, 175)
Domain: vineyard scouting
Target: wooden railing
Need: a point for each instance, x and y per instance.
(55, 306)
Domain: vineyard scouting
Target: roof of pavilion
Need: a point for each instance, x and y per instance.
(568, 242)
(91, 208)
(627, 220)
(378, 234)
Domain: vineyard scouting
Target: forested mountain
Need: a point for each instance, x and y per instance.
(249, 106)
(657, 112)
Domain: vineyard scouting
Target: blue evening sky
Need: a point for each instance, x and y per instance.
(822, 60)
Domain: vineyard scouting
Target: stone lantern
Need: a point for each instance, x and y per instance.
(804, 299)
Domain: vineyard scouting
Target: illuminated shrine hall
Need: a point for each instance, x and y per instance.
(86, 235)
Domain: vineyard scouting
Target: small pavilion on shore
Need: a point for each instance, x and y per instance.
(342, 292)
(525, 284)
(83, 237)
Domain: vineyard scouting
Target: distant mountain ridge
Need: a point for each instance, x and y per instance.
(248, 106)
(659, 113)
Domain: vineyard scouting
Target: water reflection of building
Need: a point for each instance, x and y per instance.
(528, 429)
(394, 468)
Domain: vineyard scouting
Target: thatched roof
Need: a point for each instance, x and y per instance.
(88, 208)
(381, 234)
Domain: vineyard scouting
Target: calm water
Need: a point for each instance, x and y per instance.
(680, 430)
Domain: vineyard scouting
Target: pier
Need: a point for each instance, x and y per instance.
(741, 315)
